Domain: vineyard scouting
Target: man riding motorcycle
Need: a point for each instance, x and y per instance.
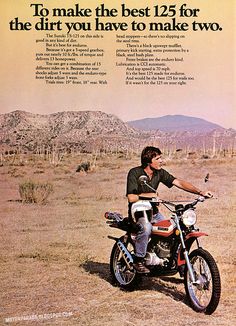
(151, 166)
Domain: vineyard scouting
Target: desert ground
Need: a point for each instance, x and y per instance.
(54, 258)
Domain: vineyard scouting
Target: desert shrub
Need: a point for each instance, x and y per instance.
(205, 156)
(35, 192)
(38, 171)
(83, 167)
(16, 173)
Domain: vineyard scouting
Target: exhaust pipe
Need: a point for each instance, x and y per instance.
(126, 254)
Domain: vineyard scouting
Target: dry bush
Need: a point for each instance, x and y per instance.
(83, 167)
(35, 192)
(16, 173)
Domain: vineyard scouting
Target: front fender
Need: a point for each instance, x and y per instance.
(195, 235)
(190, 238)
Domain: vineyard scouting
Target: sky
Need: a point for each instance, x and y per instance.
(211, 60)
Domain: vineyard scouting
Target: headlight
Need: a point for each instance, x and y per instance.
(189, 217)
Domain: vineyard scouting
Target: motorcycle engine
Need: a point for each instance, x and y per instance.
(159, 254)
(162, 249)
(152, 259)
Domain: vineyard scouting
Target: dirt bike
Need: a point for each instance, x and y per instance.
(168, 252)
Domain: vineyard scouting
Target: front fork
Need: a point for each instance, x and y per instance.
(185, 251)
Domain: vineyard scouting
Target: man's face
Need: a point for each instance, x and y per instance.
(156, 162)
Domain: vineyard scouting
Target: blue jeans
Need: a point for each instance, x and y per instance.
(144, 233)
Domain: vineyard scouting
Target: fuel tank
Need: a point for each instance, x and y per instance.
(164, 228)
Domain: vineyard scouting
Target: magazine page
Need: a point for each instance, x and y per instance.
(117, 155)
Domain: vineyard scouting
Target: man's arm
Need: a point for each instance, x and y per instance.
(132, 198)
(181, 184)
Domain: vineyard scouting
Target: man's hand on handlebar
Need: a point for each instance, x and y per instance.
(132, 198)
(151, 196)
(156, 200)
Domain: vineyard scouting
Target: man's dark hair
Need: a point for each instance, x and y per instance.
(147, 155)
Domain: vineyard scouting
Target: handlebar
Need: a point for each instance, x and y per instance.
(176, 203)
(143, 181)
(162, 201)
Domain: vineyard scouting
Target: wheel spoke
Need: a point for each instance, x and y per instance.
(201, 292)
(204, 293)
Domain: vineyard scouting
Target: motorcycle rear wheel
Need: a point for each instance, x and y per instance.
(205, 295)
(121, 274)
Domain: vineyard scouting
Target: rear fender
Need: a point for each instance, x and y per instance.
(189, 240)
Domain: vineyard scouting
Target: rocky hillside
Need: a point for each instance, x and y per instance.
(83, 130)
(96, 130)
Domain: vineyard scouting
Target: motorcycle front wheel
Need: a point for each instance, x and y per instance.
(204, 294)
(121, 274)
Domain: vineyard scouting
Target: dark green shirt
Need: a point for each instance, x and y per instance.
(133, 186)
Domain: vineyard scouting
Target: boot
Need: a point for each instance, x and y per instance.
(139, 266)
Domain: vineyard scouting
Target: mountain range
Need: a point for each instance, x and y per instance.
(173, 123)
(95, 130)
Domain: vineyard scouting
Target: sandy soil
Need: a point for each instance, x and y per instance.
(54, 258)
